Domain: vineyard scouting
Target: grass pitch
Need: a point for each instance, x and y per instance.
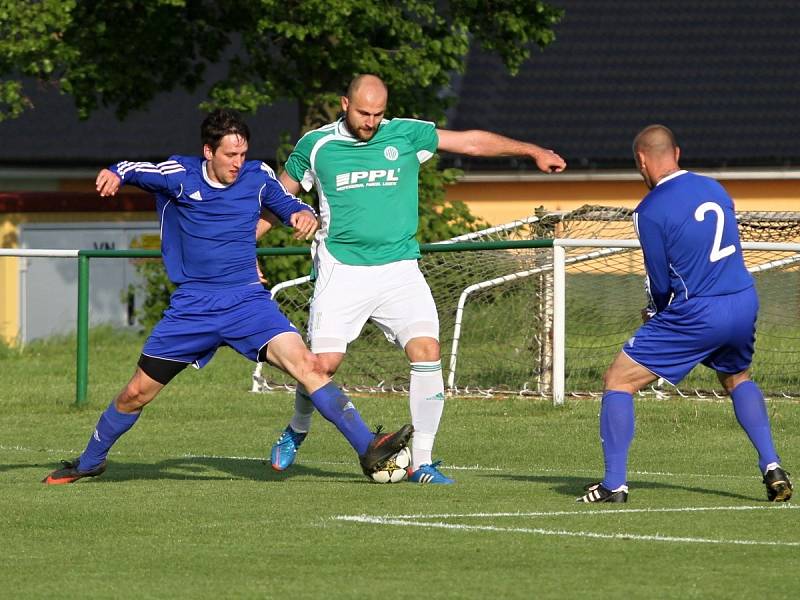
(189, 508)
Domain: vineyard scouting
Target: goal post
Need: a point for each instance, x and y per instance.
(547, 321)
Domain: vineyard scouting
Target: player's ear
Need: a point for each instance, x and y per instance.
(677, 154)
(345, 103)
(208, 153)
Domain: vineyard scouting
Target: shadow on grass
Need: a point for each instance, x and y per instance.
(202, 469)
(573, 486)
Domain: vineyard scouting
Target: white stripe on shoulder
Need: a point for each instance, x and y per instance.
(170, 163)
(415, 120)
(321, 142)
(268, 169)
(167, 168)
(323, 129)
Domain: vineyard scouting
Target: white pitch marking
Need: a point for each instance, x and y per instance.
(559, 532)
(46, 450)
(571, 513)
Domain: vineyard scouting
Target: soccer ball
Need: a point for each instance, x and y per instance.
(395, 469)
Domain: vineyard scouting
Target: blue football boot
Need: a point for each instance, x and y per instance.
(284, 450)
(429, 474)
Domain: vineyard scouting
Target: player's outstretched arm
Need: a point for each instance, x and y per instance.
(476, 142)
(279, 199)
(292, 186)
(107, 183)
(305, 222)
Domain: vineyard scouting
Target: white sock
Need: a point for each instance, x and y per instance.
(303, 410)
(426, 401)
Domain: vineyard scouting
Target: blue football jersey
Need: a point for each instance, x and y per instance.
(690, 240)
(207, 228)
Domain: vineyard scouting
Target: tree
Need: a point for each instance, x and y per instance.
(31, 44)
(122, 53)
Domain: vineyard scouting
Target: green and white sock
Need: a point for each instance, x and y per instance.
(426, 401)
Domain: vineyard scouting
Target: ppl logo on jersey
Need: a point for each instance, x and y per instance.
(391, 153)
(364, 179)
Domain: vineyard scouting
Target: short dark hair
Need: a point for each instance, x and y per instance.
(655, 138)
(222, 122)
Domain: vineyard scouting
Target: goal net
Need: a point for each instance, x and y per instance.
(496, 310)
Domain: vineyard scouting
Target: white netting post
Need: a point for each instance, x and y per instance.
(545, 367)
(258, 382)
(559, 322)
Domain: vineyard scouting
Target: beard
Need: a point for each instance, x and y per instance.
(362, 134)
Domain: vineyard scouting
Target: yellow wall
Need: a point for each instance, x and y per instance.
(501, 202)
(9, 282)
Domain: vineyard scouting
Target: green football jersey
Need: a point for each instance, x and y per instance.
(368, 191)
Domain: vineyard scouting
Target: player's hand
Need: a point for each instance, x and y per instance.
(647, 314)
(261, 278)
(305, 224)
(549, 162)
(107, 183)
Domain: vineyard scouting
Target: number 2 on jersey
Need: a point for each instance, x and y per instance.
(717, 253)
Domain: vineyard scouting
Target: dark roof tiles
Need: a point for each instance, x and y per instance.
(724, 75)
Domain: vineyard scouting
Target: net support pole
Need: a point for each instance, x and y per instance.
(559, 322)
(82, 367)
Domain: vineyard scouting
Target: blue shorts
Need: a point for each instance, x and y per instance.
(198, 322)
(717, 331)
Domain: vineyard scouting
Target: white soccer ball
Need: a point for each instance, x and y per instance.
(395, 469)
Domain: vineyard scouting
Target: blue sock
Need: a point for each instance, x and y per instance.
(110, 427)
(751, 412)
(332, 404)
(616, 435)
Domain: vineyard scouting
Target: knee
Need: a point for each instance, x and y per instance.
(311, 365)
(423, 350)
(614, 380)
(327, 366)
(132, 398)
(608, 379)
(140, 390)
(730, 381)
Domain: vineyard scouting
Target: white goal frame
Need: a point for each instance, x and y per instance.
(555, 310)
(560, 300)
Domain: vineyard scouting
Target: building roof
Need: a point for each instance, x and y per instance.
(723, 74)
(52, 135)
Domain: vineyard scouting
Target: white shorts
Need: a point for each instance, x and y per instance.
(394, 296)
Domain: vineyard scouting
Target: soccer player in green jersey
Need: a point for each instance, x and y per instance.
(365, 169)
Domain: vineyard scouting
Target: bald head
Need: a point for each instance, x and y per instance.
(656, 153)
(364, 106)
(655, 140)
(367, 84)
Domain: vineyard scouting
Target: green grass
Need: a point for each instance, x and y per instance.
(189, 509)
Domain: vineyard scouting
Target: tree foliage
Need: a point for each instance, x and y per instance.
(122, 53)
(31, 45)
